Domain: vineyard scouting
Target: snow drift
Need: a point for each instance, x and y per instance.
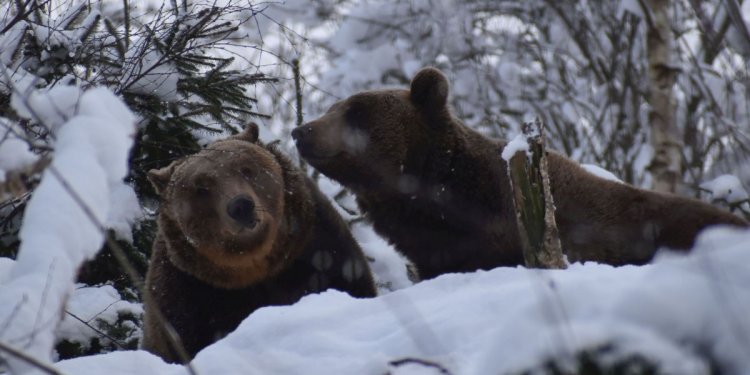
(681, 314)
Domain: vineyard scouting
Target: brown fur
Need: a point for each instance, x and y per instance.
(439, 191)
(209, 271)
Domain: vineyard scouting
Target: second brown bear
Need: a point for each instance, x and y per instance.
(439, 191)
(241, 228)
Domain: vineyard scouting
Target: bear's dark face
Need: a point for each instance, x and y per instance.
(226, 203)
(365, 138)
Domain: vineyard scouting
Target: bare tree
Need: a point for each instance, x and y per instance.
(666, 165)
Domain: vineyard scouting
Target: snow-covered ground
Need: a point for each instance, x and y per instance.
(677, 313)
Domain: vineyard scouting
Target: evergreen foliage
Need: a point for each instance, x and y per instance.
(170, 66)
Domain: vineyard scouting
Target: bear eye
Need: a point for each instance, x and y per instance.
(356, 115)
(247, 173)
(202, 191)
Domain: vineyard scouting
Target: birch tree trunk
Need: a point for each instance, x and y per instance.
(666, 165)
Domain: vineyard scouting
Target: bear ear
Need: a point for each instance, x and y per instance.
(160, 178)
(429, 89)
(249, 134)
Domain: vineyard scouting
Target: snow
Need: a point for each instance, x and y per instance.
(93, 134)
(153, 74)
(726, 187)
(517, 144)
(51, 107)
(14, 151)
(9, 42)
(124, 212)
(92, 304)
(121, 362)
(600, 172)
(5, 265)
(674, 313)
(389, 268)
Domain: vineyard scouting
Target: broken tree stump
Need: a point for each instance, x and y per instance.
(532, 198)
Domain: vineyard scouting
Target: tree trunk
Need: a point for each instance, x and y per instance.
(532, 199)
(666, 166)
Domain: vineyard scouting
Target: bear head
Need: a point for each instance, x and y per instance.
(370, 138)
(221, 210)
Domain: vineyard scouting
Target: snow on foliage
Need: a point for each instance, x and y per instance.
(125, 212)
(98, 307)
(682, 314)
(155, 75)
(726, 187)
(62, 224)
(14, 150)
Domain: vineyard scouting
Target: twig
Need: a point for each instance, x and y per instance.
(22, 14)
(19, 354)
(298, 103)
(298, 91)
(98, 331)
(126, 10)
(421, 362)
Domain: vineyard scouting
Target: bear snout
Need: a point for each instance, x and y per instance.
(304, 140)
(302, 133)
(242, 210)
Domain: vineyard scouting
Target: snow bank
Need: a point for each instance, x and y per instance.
(93, 133)
(676, 313)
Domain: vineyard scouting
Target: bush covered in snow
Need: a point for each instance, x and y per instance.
(170, 67)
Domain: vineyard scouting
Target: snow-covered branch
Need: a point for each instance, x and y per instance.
(64, 221)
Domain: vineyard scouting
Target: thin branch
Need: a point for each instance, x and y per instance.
(422, 362)
(735, 14)
(20, 16)
(97, 330)
(19, 354)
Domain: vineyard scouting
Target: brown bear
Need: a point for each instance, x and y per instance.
(439, 191)
(239, 228)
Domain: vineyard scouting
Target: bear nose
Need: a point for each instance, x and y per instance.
(242, 210)
(301, 133)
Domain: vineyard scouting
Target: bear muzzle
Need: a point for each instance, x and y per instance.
(304, 140)
(242, 210)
